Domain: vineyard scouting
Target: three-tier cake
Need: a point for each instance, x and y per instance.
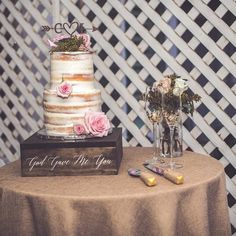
(74, 71)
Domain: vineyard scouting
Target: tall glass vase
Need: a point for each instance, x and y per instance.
(155, 117)
(171, 126)
(154, 114)
(165, 139)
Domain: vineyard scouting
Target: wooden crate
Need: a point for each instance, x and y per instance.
(93, 156)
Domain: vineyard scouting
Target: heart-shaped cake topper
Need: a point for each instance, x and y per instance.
(71, 28)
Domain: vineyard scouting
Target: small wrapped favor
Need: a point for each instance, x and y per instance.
(148, 179)
(174, 176)
(169, 174)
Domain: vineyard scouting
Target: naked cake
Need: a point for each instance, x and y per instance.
(71, 92)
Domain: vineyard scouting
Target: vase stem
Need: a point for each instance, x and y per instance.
(171, 146)
(155, 151)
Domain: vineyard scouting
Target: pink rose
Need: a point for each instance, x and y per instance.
(80, 129)
(97, 123)
(163, 85)
(64, 90)
(86, 40)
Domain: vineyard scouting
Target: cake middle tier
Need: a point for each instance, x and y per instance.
(77, 102)
(79, 82)
(50, 95)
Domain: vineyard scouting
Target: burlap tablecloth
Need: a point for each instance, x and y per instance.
(118, 204)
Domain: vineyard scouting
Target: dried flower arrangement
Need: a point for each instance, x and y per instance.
(67, 43)
(173, 87)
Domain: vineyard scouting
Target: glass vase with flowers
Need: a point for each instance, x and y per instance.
(171, 96)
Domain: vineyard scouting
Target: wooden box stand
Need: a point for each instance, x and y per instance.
(93, 156)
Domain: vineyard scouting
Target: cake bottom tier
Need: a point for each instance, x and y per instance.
(63, 118)
(62, 124)
(59, 130)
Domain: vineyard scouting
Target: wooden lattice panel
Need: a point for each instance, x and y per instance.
(137, 41)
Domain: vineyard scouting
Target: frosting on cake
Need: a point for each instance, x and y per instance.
(74, 71)
(72, 63)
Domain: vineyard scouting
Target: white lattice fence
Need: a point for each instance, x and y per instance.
(137, 41)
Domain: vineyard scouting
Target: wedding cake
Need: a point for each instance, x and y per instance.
(77, 138)
(71, 101)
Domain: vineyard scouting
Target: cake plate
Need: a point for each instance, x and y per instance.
(44, 135)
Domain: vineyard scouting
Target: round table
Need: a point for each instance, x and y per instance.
(116, 204)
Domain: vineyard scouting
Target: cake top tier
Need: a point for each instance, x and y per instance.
(67, 43)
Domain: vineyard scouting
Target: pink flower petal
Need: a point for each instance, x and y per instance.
(64, 90)
(51, 44)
